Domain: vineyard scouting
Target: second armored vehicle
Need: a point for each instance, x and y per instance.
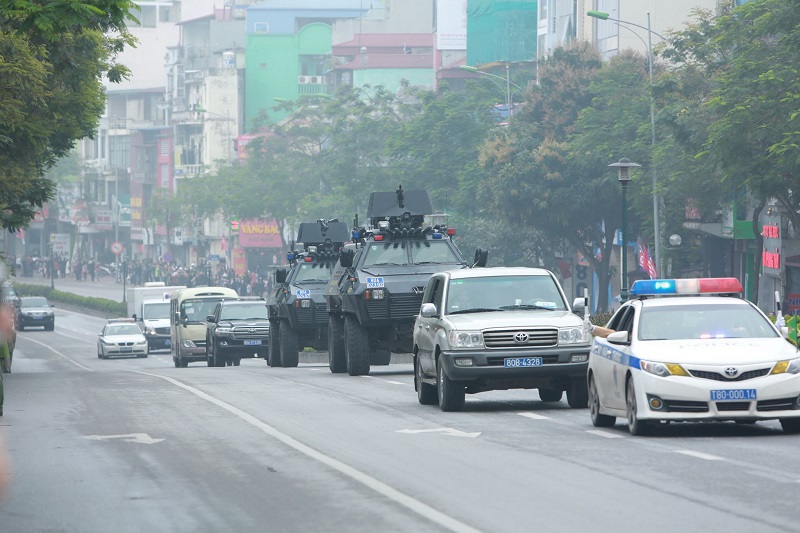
(376, 290)
(297, 313)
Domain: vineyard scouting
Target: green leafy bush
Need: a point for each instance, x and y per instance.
(102, 305)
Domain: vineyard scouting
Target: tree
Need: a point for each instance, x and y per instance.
(53, 57)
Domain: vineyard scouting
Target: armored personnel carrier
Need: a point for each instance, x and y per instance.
(296, 308)
(376, 289)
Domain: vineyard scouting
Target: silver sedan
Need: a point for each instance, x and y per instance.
(121, 339)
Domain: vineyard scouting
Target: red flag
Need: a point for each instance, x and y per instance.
(224, 244)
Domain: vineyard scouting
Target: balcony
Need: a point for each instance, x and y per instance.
(190, 171)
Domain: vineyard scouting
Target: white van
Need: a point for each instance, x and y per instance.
(188, 311)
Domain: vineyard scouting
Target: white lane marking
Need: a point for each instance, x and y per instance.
(444, 431)
(368, 481)
(394, 382)
(59, 353)
(534, 416)
(700, 455)
(138, 438)
(605, 434)
(366, 376)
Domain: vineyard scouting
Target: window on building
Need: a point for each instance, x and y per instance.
(119, 149)
(261, 27)
(147, 17)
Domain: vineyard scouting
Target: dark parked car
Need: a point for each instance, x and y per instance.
(237, 329)
(34, 311)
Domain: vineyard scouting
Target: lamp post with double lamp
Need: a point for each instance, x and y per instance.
(622, 23)
(623, 167)
(506, 79)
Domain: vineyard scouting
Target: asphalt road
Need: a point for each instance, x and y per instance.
(136, 444)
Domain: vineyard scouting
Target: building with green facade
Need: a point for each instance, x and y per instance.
(288, 51)
(501, 30)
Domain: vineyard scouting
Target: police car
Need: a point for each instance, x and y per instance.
(691, 350)
(121, 336)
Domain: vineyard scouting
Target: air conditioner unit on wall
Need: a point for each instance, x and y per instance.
(303, 79)
(315, 80)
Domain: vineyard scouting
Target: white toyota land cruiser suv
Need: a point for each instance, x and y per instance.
(498, 328)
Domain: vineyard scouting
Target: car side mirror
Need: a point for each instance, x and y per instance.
(577, 306)
(133, 316)
(618, 337)
(428, 310)
(481, 258)
(346, 258)
(210, 318)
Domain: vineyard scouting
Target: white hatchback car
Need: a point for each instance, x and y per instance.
(121, 337)
(688, 350)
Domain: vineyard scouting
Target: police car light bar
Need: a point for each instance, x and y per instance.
(655, 287)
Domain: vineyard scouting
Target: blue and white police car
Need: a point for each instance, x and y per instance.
(691, 350)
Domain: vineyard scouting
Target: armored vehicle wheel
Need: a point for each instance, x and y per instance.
(550, 395)
(274, 346)
(336, 356)
(380, 357)
(578, 394)
(356, 344)
(289, 346)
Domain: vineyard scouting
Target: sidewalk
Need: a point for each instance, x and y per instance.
(105, 287)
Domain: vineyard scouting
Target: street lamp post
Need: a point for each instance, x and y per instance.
(624, 176)
(50, 267)
(656, 218)
(507, 80)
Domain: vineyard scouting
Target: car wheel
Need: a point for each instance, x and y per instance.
(578, 394)
(219, 359)
(290, 351)
(635, 426)
(336, 356)
(237, 362)
(50, 327)
(790, 425)
(451, 393)
(356, 347)
(19, 326)
(598, 420)
(177, 363)
(274, 345)
(99, 354)
(380, 357)
(550, 395)
(426, 393)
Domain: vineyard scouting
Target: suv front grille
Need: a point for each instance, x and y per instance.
(716, 376)
(250, 332)
(162, 331)
(513, 338)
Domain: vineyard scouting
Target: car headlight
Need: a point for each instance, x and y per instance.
(224, 329)
(186, 343)
(141, 342)
(106, 342)
(465, 339)
(663, 369)
(572, 336)
(791, 366)
(149, 331)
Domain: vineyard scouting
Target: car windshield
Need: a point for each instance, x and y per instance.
(196, 311)
(123, 329)
(503, 293)
(255, 311)
(718, 321)
(155, 311)
(33, 302)
(396, 253)
(306, 272)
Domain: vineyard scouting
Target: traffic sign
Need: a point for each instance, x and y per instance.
(116, 247)
(167, 257)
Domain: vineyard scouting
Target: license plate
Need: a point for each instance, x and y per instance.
(733, 395)
(167, 342)
(515, 362)
(126, 348)
(252, 343)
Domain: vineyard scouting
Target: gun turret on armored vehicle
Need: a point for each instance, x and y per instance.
(296, 308)
(376, 289)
